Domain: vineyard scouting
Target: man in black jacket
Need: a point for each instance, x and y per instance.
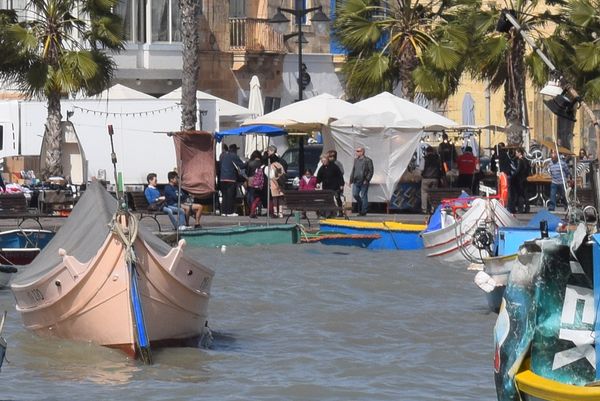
(330, 177)
(431, 175)
(517, 199)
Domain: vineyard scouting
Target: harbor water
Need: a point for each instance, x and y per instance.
(297, 322)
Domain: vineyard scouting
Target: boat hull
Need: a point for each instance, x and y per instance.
(251, 235)
(453, 243)
(20, 247)
(90, 301)
(393, 235)
(534, 387)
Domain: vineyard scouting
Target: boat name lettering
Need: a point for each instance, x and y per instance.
(577, 325)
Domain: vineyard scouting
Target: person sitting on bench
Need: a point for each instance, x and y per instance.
(157, 202)
(173, 196)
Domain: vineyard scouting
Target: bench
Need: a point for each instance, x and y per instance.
(14, 206)
(140, 205)
(436, 195)
(311, 201)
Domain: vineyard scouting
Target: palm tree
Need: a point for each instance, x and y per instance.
(574, 47)
(60, 49)
(499, 56)
(191, 52)
(419, 45)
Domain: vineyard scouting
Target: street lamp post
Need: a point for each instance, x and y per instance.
(280, 21)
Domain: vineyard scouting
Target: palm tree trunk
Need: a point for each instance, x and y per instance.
(514, 87)
(189, 81)
(408, 63)
(53, 138)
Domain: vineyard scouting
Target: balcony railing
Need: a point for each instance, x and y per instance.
(254, 34)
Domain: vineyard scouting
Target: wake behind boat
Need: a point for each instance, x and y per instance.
(104, 279)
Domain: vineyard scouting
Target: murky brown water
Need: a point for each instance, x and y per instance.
(306, 322)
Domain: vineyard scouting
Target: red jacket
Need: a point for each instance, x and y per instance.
(311, 185)
(467, 163)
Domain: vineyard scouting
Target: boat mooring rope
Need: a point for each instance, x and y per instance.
(127, 235)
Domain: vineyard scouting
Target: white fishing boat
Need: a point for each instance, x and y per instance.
(463, 238)
(104, 279)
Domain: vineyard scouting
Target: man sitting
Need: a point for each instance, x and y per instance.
(157, 202)
(173, 197)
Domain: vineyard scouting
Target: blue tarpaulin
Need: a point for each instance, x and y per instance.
(268, 130)
(544, 214)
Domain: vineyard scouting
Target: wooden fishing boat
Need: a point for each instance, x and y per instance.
(19, 247)
(393, 234)
(106, 280)
(246, 235)
(454, 242)
(340, 239)
(533, 387)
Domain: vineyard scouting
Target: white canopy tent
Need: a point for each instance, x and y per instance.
(118, 92)
(230, 115)
(307, 115)
(390, 129)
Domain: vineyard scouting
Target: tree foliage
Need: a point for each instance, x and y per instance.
(419, 45)
(60, 48)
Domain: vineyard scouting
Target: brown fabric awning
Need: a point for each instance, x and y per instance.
(195, 152)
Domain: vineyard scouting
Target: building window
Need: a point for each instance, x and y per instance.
(166, 24)
(133, 13)
(271, 103)
(237, 8)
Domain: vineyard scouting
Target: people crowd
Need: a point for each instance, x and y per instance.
(261, 180)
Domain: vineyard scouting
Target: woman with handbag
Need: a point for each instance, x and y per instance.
(256, 182)
(230, 168)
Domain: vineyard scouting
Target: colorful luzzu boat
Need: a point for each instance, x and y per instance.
(393, 235)
(545, 341)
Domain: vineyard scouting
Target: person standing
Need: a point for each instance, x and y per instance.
(447, 153)
(517, 199)
(154, 197)
(330, 177)
(360, 177)
(173, 197)
(229, 165)
(430, 177)
(468, 165)
(253, 167)
(332, 156)
(559, 174)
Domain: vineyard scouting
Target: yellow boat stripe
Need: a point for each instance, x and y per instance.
(384, 225)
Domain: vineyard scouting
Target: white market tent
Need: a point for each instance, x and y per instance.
(121, 92)
(229, 113)
(308, 115)
(390, 129)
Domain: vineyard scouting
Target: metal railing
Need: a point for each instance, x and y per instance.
(254, 34)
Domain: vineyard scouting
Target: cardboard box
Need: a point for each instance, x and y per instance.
(16, 164)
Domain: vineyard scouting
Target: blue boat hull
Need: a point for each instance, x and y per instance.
(390, 239)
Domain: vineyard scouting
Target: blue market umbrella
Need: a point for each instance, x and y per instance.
(267, 130)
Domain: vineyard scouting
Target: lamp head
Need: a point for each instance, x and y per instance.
(320, 20)
(552, 88)
(279, 21)
(562, 106)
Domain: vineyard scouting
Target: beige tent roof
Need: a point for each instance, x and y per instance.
(307, 115)
(226, 108)
(122, 92)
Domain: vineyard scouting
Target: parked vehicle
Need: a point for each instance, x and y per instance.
(311, 160)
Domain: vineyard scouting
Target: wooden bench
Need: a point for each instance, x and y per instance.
(436, 195)
(311, 201)
(14, 206)
(140, 205)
